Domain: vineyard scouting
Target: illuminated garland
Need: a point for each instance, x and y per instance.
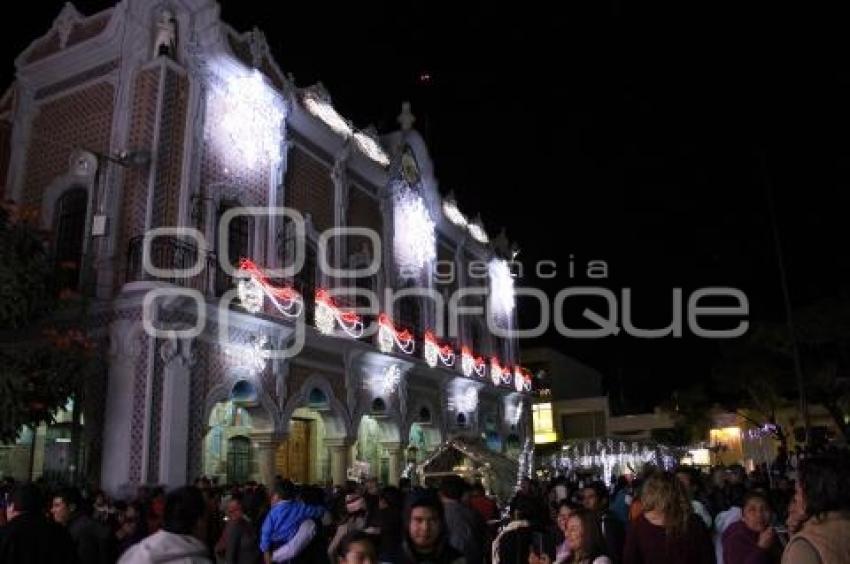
(328, 314)
(434, 351)
(251, 289)
(470, 363)
(522, 379)
(389, 336)
(499, 374)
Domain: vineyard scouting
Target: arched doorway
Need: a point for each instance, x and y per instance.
(230, 424)
(302, 456)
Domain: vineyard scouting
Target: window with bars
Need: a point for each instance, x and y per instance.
(240, 237)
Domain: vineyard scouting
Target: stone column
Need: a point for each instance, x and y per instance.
(265, 446)
(339, 449)
(396, 461)
(174, 429)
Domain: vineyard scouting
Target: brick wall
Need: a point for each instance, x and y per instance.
(80, 119)
(135, 195)
(309, 188)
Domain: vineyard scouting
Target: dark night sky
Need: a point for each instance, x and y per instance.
(627, 133)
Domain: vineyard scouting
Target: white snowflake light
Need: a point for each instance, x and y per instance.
(466, 401)
(245, 116)
(250, 293)
(501, 298)
(392, 376)
(414, 242)
(478, 233)
(253, 356)
(453, 214)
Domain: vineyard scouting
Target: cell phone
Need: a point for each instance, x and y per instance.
(537, 543)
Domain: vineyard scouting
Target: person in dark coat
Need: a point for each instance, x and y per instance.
(29, 537)
(426, 541)
(91, 538)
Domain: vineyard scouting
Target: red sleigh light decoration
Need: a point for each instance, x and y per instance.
(254, 284)
(434, 351)
(328, 314)
(389, 336)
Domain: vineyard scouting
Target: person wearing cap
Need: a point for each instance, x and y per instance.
(284, 518)
(355, 520)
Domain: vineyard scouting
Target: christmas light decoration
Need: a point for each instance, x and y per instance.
(414, 242)
(466, 401)
(246, 117)
(389, 337)
(320, 107)
(610, 458)
(522, 379)
(250, 294)
(433, 352)
(453, 214)
(328, 315)
(392, 377)
(495, 371)
(254, 281)
(501, 297)
(478, 233)
(253, 356)
(371, 149)
(470, 363)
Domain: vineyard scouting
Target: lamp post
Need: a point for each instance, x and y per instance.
(125, 159)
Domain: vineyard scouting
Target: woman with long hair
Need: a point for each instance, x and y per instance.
(667, 532)
(584, 538)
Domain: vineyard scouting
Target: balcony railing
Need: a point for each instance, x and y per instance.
(175, 255)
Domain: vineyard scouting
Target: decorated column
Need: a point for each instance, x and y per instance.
(265, 445)
(395, 459)
(339, 449)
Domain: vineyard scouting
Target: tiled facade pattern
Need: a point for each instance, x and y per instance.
(80, 119)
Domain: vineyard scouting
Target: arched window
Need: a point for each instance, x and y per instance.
(70, 226)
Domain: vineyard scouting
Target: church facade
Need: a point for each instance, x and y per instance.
(275, 290)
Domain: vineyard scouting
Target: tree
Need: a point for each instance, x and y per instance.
(41, 364)
(756, 375)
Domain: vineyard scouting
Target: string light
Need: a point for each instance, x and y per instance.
(371, 149)
(453, 214)
(478, 233)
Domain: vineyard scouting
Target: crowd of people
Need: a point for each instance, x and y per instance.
(685, 516)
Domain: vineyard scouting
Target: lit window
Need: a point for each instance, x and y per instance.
(544, 431)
